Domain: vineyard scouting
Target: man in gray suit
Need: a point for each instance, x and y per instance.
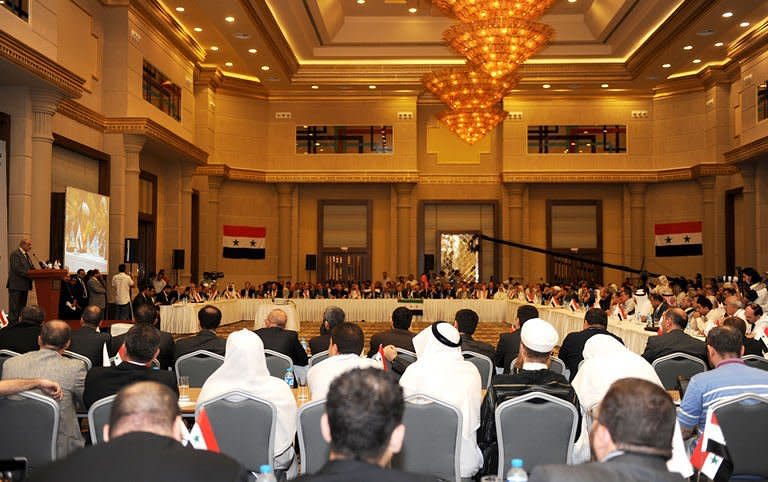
(49, 363)
(631, 438)
(97, 293)
(19, 283)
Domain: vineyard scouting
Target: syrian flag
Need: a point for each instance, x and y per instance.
(3, 319)
(678, 239)
(530, 298)
(244, 242)
(553, 303)
(201, 436)
(384, 360)
(762, 336)
(573, 305)
(618, 310)
(710, 457)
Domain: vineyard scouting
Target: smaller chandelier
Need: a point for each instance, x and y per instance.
(474, 10)
(460, 88)
(499, 45)
(471, 125)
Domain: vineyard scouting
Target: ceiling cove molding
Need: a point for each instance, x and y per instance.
(265, 23)
(754, 151)
(153, 13)
(748, 45)
(613, 177)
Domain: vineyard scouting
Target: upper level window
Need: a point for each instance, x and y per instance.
(19, 7)
(343, 139)
(762, 101)
(575, 139)
(159, 91)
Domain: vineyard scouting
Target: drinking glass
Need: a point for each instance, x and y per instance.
(184, 388)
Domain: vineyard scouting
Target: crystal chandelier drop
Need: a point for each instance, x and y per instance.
(473, 10)
(461, 88)
(471, 125)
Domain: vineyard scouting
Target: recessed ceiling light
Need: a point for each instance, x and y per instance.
(241, 35)
(179, 9)
(197, 29)
(252, 51)
(229, 19)
(228, 64)
(604, 86)
(360, 2)
(666, 66)
(546, 86)
(688, 47)
(571, 1)
(744, 24)
(727, 14)
(214, 48)
(696, 61)
(413, 10)
(315, 87)
(370, 86)
(719, 44)
(265, 67)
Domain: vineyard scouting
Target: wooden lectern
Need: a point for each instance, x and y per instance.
(48, 288)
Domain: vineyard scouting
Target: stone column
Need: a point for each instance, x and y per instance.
(707, 186)
(515, 213)
(284, 240)
(637, 239)
(43, 108)
(207, 80)
(750, 204)
(185, 224)
(212, 241)
(133, 145)
(403, 229)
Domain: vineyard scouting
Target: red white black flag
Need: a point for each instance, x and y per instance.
(244, 242)
(678, 239)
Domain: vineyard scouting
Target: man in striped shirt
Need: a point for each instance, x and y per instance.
(730, 378)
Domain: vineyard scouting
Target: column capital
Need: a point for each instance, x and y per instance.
(515, 188)
(133, 144)
(404, 188)
(637, 188)
(208, 78)
(707, 183)
(285, 188)
(44, 101)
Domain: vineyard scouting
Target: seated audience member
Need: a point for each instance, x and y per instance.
(87, 340)
(245, 369)
(399, 336)
(68, 307)
(595, 323)
(466, 322)
(332, 316)
(363, 423)
(346, 346)
(46, 387)
(147, 314)
(277, 338)
(729, 378)
(209, 318)
(631, 438)
(751, 346)
(509, 343)
(673, 339)
(537, 340)
(21, 337)
(143, 443)
(48, 363)
(757, 320)
(145, 297)
(167, 296)
(141, 347)
(441, 372)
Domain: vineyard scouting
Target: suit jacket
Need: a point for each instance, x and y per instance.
(507, 349)
(395, 336)
(285, 342)
(89, 342)
(673, 342)
(205, 340)
(659, 311)
(319, 343)
(140, 299)
(18, 266)
(142, 456)
(70, 374)
(97, 293)
(21, 337)
(752, 347)
(470, 344)
(572, 349)
(357, 470)
(81, 293)
(105, 381)
(165, 357)
(627, 467)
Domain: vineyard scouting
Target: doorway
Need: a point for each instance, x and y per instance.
(147, 224)
(575, 227)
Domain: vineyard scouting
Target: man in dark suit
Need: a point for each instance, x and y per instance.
(144, 297)
(81, 289)
(332, 316)
(148, 314)
(22, 336)
(87, 341)
(659, 307)
(277, 338)
(508, 346)
(141, 347)
(466, 322)
(143, 443)
(398, 335)
(751, 346)
(571, 351)
(631, 438)
(19, 283)
(209, 318)
(363, 401)
(673, 339)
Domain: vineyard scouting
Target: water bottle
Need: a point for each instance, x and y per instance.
(288, 378)
(516, 473)
(266, 474)
(304, 344)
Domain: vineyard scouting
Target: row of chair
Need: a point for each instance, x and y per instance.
(671, 367)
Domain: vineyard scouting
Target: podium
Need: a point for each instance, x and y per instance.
(48, 289)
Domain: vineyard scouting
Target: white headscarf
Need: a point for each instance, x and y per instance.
(643, 305)
(245, 369)
(441, 372)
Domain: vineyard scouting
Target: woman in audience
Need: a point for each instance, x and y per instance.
(245, 369)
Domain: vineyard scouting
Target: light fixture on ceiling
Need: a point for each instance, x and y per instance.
(360, 2)
(372, 87)
(214, 48)
(265, 68)
(688, 47)
(229, 19)
(197, 29)
(546, 86)
(180, 9)
(228, 64)
(241, 35)
(413, 10)
(727, 14)
(696, 61)
(719, 44)
(471, 125)
(571, 1)
(666, 66)
(315, 87)
(604, 86)
(472, 10)
(252, 51)
(460, 88)
(744, 24)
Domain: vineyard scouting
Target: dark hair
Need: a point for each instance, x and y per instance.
(466, 320)
(209, 317)
(736, 322)
(364, 406)
(401, 318)
(144, 313)
(657, 297)
(91, 315)
(121, 268)
(333, 316)
(639, 415)
(348, 338)
(141, 342)
(705, 302)
(536, 356)
(33, 314)
(143, 405)
(55, 333)
(527, 312)
(754, 276)
(756, 309)
(726, 340)
(596, 317)
(677, 316)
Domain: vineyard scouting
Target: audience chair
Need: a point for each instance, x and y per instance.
(77, 356)
(484, 366)
(432, 444)
(98, 417)
(312, 446)
(4, 355)
(406, 355)
(155, 363)
(674, 365)
(317, 358)
(756, 361)
(744, 422)
(244, 427)
(30, 422)
(277, 363)
(198, 366)
(536, 427)
(555, 364)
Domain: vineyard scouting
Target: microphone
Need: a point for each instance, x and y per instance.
(42, 265)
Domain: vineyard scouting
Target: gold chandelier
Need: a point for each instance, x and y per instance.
(474, 10)
(498, 45)
(471, 125)
(461, 88)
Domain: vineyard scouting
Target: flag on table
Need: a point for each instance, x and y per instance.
(553, 303)
(244, 242)
(573, 305)
(711, 456)
(678, 239)
(201, 436)
(618, 311)
(3, 319)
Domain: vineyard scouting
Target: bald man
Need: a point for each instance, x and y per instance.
(277, 338)
(674, 339)
(19, 283)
